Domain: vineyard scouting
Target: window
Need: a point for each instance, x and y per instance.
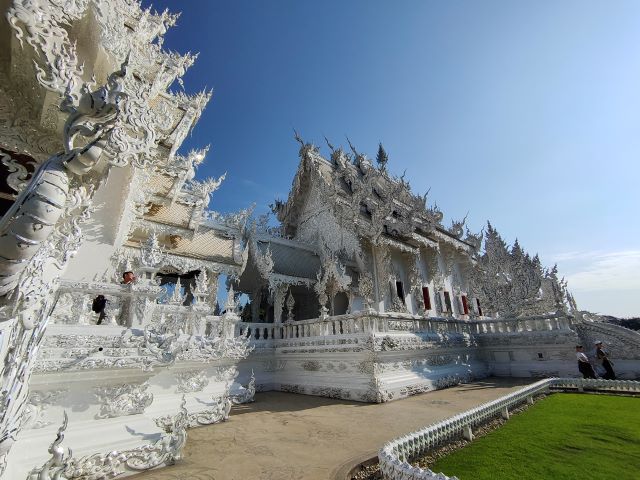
(426, 297)
(400, 291)
(478, 305)
(465, 304)
(447, 302)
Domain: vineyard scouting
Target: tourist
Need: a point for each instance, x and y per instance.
(98, 306)
(128, 277)
(603, 356)
(584, 366)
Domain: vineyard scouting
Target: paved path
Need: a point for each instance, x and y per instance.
(285, 436)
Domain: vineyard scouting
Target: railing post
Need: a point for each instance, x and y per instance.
(505, 413)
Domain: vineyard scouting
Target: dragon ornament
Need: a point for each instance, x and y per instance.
(37, 210)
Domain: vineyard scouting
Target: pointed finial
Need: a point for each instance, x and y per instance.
(353, 149)
(329, 144)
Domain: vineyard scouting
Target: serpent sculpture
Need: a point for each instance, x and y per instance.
(36, 211)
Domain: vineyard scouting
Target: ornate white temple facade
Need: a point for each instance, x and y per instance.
(360, 292)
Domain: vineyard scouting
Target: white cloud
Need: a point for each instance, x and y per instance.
(606, 282)
(572, 256)
(604, 271)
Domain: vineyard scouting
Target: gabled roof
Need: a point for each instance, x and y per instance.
(290, 259)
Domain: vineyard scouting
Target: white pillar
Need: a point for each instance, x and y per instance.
(278, 303)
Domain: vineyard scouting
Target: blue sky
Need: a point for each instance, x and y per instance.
(523, 113)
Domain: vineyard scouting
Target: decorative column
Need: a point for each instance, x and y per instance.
(365, 289)
(384, 275)
(230, 318)
(321, 290)
(415, 284)
(137, 309)
(256, 301)
(376, 280)
(290, 304)
(201, 293)
(278, 302)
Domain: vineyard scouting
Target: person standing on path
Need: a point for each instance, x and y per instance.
(603, 356)
(584, 366)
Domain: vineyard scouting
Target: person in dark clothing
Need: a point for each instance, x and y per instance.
(98, 306)
(584, 366)
(603, 356)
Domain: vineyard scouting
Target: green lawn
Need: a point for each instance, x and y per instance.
(562, 437)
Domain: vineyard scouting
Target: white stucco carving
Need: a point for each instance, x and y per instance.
(360, 292)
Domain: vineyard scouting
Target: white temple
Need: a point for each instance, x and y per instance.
(360, 293)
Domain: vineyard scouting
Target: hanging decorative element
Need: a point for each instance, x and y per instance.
(290, 304)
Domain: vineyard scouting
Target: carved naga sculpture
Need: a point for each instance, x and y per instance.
(36, 211)
(53, 469)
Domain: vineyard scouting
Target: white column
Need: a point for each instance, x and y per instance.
(278, 303)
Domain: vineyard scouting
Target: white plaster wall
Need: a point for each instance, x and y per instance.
(92, 261)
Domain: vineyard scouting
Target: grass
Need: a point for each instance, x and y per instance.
(562, 437)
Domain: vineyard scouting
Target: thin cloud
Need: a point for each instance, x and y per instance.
(603, 282)
(604, 271)
(575, 256)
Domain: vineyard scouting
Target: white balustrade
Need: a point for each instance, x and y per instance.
(132, 305)
(373, 322)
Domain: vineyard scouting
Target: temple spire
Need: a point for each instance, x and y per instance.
(382, 158)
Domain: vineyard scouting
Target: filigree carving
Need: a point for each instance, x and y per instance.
(365, 289)
(151, 254)
(39, 401)
(124, 399)
(511, 283)
(247, 393)
(191, 381)
(36, 211)
(290, 304)
(165, 451)
(41, 26)
(219, 412)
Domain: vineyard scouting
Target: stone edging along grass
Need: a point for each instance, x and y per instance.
(394, 456)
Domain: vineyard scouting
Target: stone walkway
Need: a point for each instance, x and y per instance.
(286, 436)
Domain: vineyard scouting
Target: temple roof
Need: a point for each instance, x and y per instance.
(291, 260)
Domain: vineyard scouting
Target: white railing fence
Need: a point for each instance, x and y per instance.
(394, 457)
(388, 322)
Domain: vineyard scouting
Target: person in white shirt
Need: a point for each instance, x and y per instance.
(584, 366)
